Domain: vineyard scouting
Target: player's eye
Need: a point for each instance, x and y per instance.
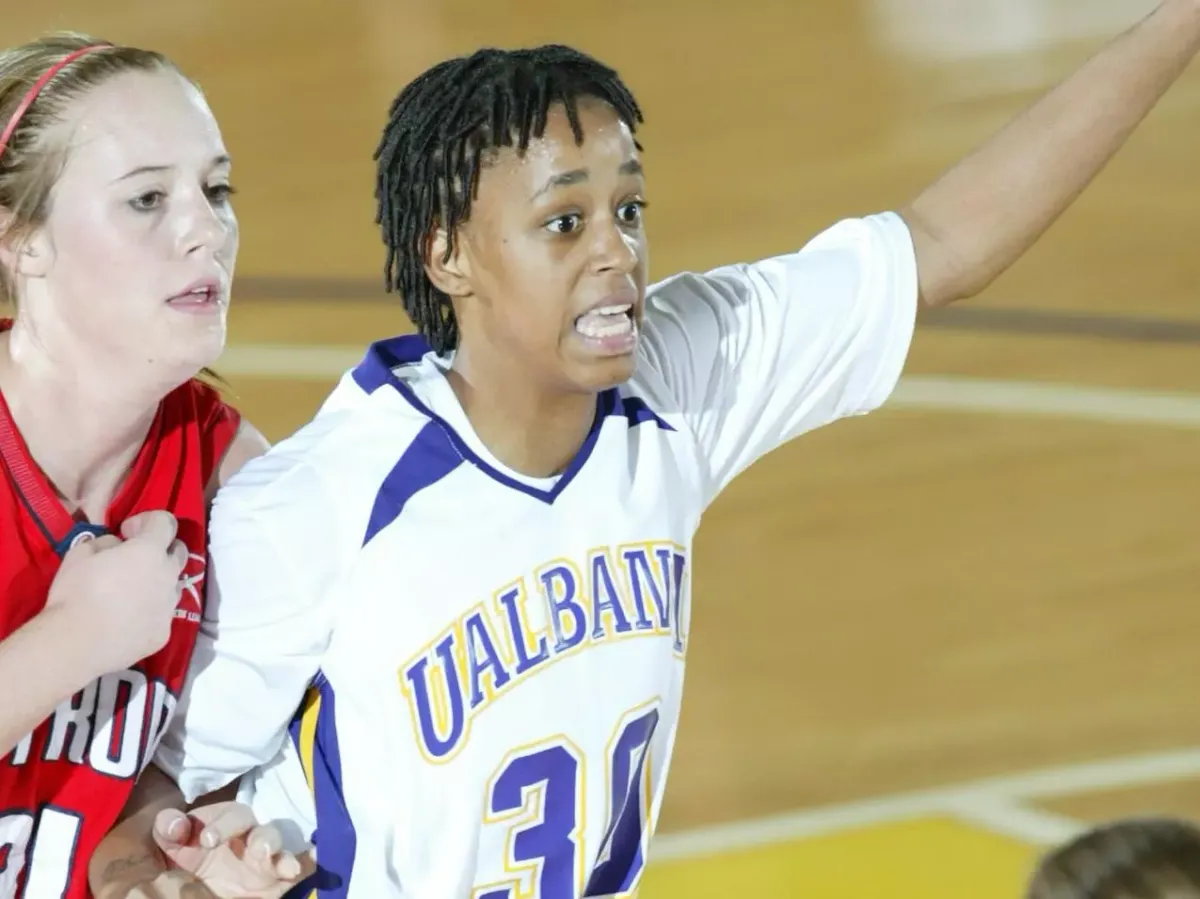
(631, 213)
(149, 201)
(220, 194)
(565, 224)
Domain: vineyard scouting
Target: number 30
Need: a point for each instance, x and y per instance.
(539, 793)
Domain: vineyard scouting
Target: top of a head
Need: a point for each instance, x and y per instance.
(38, 82)
(440, 130)
(1152, 858)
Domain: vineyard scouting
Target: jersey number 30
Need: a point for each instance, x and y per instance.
(539, 793)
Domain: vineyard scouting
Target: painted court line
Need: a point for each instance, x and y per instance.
(992, 802)
(290, 362)
(323, 363)
(1056, 400)
(1021, 822)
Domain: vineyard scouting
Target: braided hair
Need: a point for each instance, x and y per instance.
(442, 129)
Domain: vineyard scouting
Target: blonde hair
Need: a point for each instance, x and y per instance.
(31, 161)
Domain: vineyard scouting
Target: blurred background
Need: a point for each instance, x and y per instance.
(925, 643)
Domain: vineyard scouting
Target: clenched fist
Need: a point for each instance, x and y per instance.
(122, 592)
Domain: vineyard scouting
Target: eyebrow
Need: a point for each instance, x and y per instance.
(217, 161)
(577, 176)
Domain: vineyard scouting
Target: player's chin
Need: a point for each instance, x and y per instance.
(596, 375)
(600, 364)
(197, 346)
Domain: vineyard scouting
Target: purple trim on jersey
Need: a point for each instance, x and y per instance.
(375, 371)
(428, 459)
(335, 839)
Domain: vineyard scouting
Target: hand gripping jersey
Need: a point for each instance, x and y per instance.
(462, 682)
(63, 786)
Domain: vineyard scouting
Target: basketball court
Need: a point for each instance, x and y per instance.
(927, 642)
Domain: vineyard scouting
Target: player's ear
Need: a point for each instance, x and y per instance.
(447, 265)
(23, 254)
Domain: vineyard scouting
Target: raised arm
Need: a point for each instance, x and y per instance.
(979, 217)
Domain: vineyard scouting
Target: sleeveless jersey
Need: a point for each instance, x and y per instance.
(63, 786)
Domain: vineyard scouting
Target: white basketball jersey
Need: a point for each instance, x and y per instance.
(489, 667)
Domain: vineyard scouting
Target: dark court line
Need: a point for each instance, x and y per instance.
(976, 319)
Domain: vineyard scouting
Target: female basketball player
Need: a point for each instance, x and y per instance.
(1155, 858)
(472, 568)
(117, 246)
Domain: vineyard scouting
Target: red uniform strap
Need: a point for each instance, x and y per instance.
(219, 423)
(46, 509)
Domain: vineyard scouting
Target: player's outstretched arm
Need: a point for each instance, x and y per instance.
(984, 213)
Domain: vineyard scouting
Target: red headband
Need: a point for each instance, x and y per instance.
(32, 94)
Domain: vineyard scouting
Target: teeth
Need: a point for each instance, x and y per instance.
(604, 324)
(612, 310)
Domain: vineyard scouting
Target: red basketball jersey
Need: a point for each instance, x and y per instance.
(63, 787)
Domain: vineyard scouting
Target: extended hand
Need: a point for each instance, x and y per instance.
(224, 848)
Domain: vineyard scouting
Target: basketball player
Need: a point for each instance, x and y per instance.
(471, 572)
(117, 245)
(1152, 858)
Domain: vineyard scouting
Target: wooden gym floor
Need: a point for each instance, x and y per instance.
(899, 618)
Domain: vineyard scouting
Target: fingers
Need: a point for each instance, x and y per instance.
(264, 841)
(172, 827)
(265, 855)
(179, 554)
(233, 820)
(307, 862)
(154, 527)
(93, 546)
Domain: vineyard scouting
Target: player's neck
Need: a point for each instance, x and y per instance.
(82, 428)
(534, 435)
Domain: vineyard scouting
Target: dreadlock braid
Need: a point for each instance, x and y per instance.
(441, 128)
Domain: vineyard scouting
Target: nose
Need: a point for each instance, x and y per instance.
(201, 227)
(616, 249)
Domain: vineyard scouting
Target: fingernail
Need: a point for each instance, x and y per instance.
(209, 839)
(177, 829)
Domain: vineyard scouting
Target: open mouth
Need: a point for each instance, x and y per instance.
(197, 296)
(607, 322)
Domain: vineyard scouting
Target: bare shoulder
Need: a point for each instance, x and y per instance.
(247, 444)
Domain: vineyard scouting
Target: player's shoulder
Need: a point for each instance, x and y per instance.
(842, 250)
(195, 414)
(360, 431)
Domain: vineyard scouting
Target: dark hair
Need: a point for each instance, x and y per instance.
(441, 130)
(1150, 858)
